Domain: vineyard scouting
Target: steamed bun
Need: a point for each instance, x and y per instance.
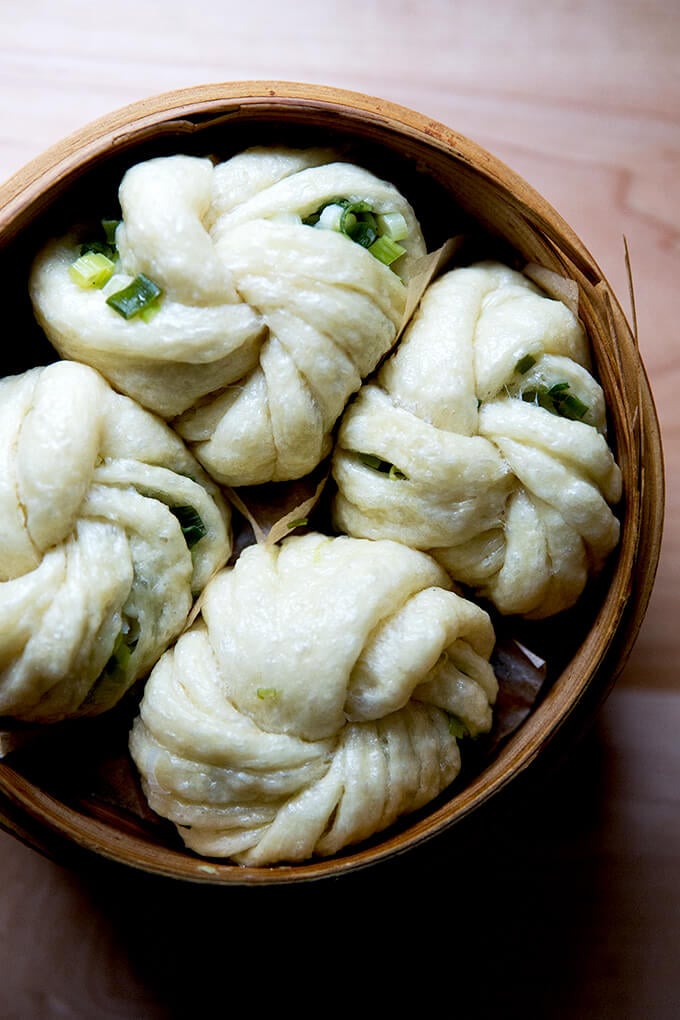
(267, 322)
(483, 441)
(109, 530)
(315, 701)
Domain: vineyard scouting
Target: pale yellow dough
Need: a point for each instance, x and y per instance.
(266, 326)
(309, 707)
(93, 562)
(513, 499)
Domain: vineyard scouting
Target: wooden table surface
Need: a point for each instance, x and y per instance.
(572, 908)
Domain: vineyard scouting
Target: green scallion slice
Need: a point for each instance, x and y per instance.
(359, 224)
(457, 727)
(558, 400)
(392, 225)
(106, 245)
(91, 270)
(371, 461)
(572, 407)
(377, 232)
(330, 217)
(335, 207)
(524, 364)
(147, 313)
(120, 654)
(267, 693)
(383, 466)
(115, 676)
(99, 247)
(191, 524)
(386, 250)
(109, 227)
(134, 298)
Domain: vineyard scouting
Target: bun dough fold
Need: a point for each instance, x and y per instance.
(310, 706)
(483, 441)
(266, 325)
(109, 529)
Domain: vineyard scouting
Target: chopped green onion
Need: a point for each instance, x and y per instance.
(122, 650)
(134, 298)
(572, 407)
(558, 400)
(91, 270)
(191, 524)
(330, 217)
(112, 680)
(332, 204)
(110, 227)
(267, 693)
(99, 247)
(392, 225)
(298, 523)
(524, 364)
(360, 206)
(359, 224)
(386, 250)
(383, 466)
(363, 233)
(371, 461)
(378, 232)
(106, 246)
(150, 310)
(457, 727)
(120, 654)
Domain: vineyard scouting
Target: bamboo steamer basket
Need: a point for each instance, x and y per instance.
(452, 181)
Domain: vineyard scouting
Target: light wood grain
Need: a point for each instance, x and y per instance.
(583, 100)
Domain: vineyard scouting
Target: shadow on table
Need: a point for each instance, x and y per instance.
(497, 919)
